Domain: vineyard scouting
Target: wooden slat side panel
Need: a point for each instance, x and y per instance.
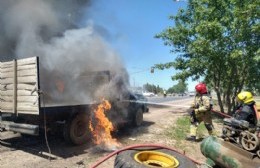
(28, 111)
(26, 86)
(22, 111)
(6, 81)
(8, 105)
(6, 99)
(8, 69)
(19, 93)
(27, 79)
(33, 66)
(24, 61)
(6, 110)
(20, 80)
(22, 86)
(8, 74)
(26, 93)
(27, 72)
(7, 93)
(27, 61)
(15, 88)
(20, 73)
(31, 99)
(6, 64)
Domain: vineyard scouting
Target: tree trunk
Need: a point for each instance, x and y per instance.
(224, 98)
(219, 100)
(228, 99)
(229, 106)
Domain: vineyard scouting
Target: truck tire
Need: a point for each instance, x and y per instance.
(152, 158)
(137, 119)
(76, 130)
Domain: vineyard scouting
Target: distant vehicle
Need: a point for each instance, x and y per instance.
(181, 94)
(191, 94)
(148, 94)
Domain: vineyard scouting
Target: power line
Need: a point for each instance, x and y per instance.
(144, 70)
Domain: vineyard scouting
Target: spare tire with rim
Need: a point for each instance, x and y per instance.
(153, 158)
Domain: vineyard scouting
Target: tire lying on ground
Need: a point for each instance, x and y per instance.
(141, 158)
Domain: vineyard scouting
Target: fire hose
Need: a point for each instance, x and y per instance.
(172, 105)
(221, 113)
(140, 146)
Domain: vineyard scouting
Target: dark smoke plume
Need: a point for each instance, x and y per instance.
(71, 55)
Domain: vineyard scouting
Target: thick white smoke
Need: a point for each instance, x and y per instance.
(68, 53)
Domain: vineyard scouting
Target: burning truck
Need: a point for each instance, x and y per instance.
(32, 106)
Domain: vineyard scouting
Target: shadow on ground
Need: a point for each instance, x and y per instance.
(37, 145)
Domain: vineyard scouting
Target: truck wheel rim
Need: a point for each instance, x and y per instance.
(156, 159)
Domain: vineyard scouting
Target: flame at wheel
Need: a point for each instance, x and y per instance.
(101, 127)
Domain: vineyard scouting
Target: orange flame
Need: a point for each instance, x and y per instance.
(101, 129)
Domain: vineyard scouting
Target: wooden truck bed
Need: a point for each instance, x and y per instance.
(19, 86)
(23, 106)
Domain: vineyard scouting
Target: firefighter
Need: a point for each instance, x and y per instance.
(201, 112)
(164, 93)
(246, 110)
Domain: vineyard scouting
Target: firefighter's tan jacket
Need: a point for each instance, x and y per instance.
(201, 104)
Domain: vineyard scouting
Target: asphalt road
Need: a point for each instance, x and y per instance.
(171, 101)
(161, 99)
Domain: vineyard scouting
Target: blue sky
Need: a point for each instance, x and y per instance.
(129, 27)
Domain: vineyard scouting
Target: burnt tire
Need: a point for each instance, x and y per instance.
(161, 158)
(76, 129)
(137, 119)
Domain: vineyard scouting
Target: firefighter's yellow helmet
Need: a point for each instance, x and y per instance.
(245, 97)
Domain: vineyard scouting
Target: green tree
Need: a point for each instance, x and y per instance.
(219, 41)
(152, 88)
(180, 87)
